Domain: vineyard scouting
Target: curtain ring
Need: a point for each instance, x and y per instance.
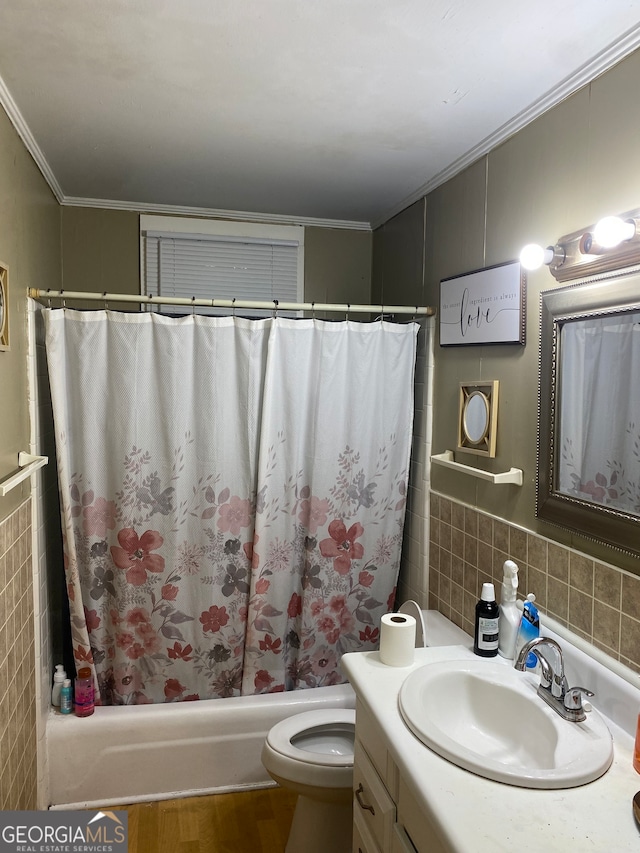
(233, 306)
(275, 308)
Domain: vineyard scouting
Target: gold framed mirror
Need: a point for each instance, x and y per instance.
(478, 417)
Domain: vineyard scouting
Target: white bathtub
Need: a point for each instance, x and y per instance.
(129, 754)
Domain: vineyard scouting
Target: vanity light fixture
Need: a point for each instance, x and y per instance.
(612, 230)
(533, 256)
(612, 243)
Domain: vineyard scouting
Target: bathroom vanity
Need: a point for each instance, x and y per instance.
(407, 798)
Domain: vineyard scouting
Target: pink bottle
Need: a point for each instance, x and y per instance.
(84, 693)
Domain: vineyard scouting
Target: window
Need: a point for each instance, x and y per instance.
(210, 259)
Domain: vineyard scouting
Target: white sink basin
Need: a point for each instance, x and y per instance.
(486, 717)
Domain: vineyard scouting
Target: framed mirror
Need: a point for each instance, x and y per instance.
(477, 417)
(588, 477)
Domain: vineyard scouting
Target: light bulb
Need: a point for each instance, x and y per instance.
(611, 231)
(533, 256)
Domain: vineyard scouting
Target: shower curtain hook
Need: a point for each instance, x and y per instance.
(48, 298)
(348, 310)
(313, 310)
(275, 308)
(233, 306)
(106, 304)
(193, 306)
(64, 301)
(381, 312)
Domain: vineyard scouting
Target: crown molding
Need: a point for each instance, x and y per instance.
(215, 213)
(597, 66)
(23, 131)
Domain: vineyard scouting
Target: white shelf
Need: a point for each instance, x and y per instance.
(27, 464)
(446, 459)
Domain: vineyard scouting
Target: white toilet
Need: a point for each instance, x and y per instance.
(312, 753)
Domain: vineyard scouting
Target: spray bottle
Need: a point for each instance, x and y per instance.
(509, 613)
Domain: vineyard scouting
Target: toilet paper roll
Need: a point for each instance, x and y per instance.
(397, 639)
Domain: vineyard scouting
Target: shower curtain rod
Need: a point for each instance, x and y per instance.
(275, 305)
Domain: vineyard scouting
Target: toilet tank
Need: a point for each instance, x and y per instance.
(434, 629)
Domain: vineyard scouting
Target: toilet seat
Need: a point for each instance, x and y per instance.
(288, 737)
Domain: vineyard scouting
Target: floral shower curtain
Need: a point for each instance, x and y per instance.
(233, 496)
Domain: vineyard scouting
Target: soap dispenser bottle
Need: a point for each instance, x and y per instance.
(509, 613)
(58, 679)
(485, 641)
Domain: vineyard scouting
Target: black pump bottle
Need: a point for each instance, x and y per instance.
(485, 642)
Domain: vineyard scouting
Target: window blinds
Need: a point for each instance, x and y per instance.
(212, 267)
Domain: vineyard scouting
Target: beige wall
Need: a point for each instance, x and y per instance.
(564, 171)
(561, 173)
(30, 246)
(101, 252)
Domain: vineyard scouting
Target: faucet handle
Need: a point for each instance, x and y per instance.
(573, 698)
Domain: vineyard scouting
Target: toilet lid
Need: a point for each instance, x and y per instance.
(341, 721)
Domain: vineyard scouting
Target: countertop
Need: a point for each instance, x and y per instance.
(476, 815)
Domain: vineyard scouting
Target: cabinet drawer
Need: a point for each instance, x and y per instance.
(370, 734)
(362, 840)
(371, 799)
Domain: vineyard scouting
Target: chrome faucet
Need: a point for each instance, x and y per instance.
(553, 687)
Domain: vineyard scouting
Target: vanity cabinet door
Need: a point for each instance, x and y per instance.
(371, 800)
(400, 843)
(424, 837)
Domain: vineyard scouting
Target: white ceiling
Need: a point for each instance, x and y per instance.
(329, 109)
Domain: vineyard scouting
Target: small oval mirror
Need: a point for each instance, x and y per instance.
(476, 417)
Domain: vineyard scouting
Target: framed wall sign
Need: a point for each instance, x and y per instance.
(485, 306)
(4, 307)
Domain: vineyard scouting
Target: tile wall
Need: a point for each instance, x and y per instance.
(18, 763)
(595, 600)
